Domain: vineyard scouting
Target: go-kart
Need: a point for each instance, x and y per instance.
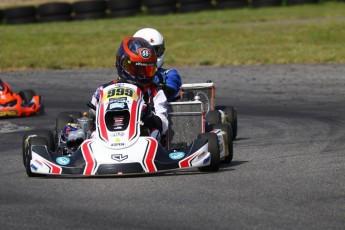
(194, 111)
(214, 114)
(113, 143)
(25, 103)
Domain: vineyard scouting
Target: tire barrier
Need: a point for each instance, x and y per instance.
(265, 3)
(160, 7)
(186, 6)
(123, 8)
(20, 15)
(1, 15)
(231, 4)
(54, 12)
(300, 2)
(93, 9)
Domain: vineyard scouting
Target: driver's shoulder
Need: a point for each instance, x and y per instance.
(168, 72)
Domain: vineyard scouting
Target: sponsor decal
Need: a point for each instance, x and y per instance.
(120, 92)
(118, 100)
(62, 160)
(119, 157)
(34, 167)
(176, 155)
(117, 134)
(118, 144)
(8, 113)
(117, 140)
(202, 154)
(145, 53)
(39, 162)
(206, 160)
(117, 105)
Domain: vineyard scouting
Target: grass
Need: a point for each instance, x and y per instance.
(300, 34)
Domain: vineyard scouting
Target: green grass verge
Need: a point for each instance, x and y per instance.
(300, 34)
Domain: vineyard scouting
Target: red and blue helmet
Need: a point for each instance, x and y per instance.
(136, 60)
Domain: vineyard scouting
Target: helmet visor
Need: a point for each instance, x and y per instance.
(159, 49)
(140, 69)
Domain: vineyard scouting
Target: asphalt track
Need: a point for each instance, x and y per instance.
(288, 170)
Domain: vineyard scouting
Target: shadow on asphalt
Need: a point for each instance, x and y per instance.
(223, 168)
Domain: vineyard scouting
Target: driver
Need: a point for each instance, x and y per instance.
(168, 78)
(136, 64)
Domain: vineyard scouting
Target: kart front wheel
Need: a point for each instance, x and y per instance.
(47, 134)
(27, 95)
(231, 115)
(33, 141)
(213, 148)
(227, 129)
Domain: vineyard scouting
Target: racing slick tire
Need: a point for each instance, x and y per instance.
(47, 134)
(226, 128)
(54, 9)
(213, 148)
(20, 15)
(120, 8)
(63, 118)
(28, 156)
(213, 117)
(91, 9)
(232, 119)
(27, 95)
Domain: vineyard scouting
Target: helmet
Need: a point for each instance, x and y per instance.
(6, 94)
(4, 88)
(156, 40)
(136, 60)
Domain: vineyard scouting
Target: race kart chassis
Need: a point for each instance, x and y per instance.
(121, 150)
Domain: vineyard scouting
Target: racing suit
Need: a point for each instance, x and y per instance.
(170, 81)
(156, 119)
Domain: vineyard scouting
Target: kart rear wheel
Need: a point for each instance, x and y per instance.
(213, 117)
(213, 148)
(47, 134)
(27, 95)
(63, 118)
(33, 141)
(227, 128)
(231, 114)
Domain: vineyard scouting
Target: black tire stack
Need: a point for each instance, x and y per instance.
(160, 7)
(186, 6)
(231, 4)
(54, 12)
(20, 15)
(95, 9)
(300, 2)
(265, 3)
(1, 16)
(92, 9)
(123, 8)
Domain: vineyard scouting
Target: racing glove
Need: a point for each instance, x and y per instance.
(146, 112)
